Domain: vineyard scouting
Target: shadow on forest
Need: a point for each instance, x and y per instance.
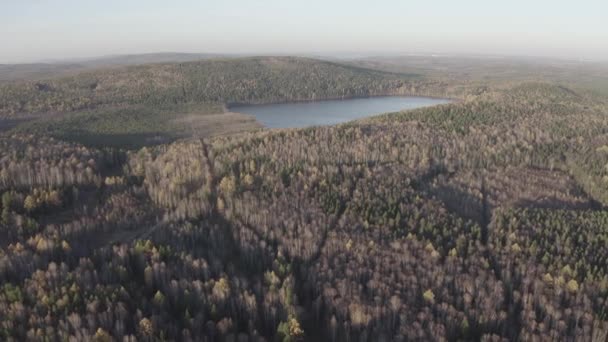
(8, 124)
(556, 203)
(122, 140)
(216, 239)
(461, 203)
(470, 207)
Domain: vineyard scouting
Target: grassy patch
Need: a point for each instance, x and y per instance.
(129, 126)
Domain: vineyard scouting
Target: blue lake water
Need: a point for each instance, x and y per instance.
(305, 114)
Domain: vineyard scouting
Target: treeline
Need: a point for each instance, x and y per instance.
(28, 161)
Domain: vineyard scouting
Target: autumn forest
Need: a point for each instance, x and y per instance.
(134, 207)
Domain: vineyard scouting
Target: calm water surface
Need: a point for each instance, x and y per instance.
(304, 114)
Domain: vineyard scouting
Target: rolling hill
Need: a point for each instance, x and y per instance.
(483, 219)
(148, 104)
(249, 80)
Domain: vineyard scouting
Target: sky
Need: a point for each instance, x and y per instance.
(40, 30)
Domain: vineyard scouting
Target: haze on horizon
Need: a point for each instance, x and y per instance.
(38, 30)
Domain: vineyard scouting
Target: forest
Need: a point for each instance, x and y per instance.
(147, 104)
(480, 220)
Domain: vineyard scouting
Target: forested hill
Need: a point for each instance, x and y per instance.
(246, 80)
(479, 220)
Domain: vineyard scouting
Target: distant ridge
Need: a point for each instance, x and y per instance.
(146, 58)
(59, 68)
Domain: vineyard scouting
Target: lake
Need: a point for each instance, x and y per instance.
(331, 112)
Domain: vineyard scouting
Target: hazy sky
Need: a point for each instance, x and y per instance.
(34, 30)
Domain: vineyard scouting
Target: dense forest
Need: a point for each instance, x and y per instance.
(145, 104)
(250, 80)
(482, 220)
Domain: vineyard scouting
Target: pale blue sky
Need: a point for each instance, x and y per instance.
(33, 30)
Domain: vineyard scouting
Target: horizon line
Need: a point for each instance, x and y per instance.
(342, 55)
